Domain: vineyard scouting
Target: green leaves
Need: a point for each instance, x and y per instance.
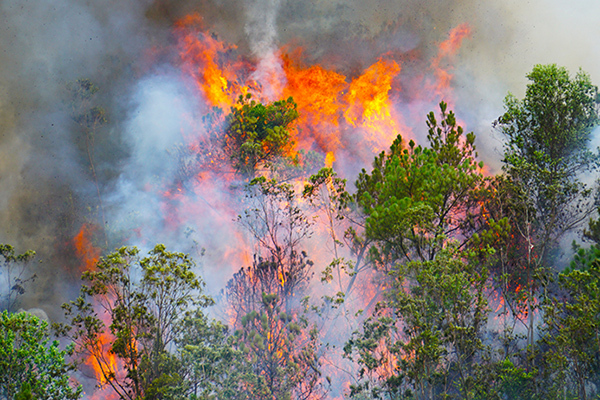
(31, 366)
(416, 198)
(571, 325)
(257, 134)
(145, 301)
(424, 218)
(547, 134)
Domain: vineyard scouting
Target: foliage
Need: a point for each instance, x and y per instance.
(281, 351)
(326, 193)
(279, 226)
(144, 300)
(547, 134)
(31, 366)
(257, 134)
(12, 267)
(278, 345)
(425, 338)
(545, 155)
(417, 198)
(212, 367)
(425, 220)
(571, 326)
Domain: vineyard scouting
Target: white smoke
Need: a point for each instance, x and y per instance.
(261, 28)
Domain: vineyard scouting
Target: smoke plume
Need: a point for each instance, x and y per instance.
(56, 174)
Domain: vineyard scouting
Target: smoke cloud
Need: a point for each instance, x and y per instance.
(56, 175)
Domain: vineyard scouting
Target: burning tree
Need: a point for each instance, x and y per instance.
(424, 219)
(129, 317)
(257, 134)
(279, 346)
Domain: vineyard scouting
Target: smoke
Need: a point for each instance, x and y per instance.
(261, 28)
(55, 176)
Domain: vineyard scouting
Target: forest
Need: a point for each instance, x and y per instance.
(441, 280)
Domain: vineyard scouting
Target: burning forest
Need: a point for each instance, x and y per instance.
(261, 199)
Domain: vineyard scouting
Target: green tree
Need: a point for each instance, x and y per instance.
(256, 134)
(546, 152)
(31, 366)
(428, 233)
(548, 134)
(139, 303)
(417, 198)
(424, 340)
(571, 323)
(212, 367)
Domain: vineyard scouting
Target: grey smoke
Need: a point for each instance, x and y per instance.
(47, 189)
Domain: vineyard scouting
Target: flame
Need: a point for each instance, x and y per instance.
(329, 159)
(317, 92)
(333, 109)
(369, 104)
(104, 362)
(84, 249)
(205, 59)
(446, 52)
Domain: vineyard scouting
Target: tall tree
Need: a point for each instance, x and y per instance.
(416, 198)
(131, 307)
(267, 298)
(545, 156)
(547, 150)
(423, 207)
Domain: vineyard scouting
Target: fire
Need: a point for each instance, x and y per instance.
(318, 93)
(447, 50)
(205, 59)
(330, 104)
(329, 159)
(369, 103)
(104, 362)
(84, 249)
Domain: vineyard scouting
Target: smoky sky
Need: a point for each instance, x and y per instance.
(52, 172)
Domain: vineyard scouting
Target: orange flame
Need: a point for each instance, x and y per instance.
(205, 59)
(369, 104)
(84, 249)
(317, 92)
(447, 50)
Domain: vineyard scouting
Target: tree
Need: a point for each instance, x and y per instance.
(256, 134)
(416, 199)
(279, 226)
(546, 152)
(425, 338)
(13, 269)
(572, 325)
(212, 366)
(548, 134)
(131, 308)
(31, 366)
(425, 220)
(279, 346)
